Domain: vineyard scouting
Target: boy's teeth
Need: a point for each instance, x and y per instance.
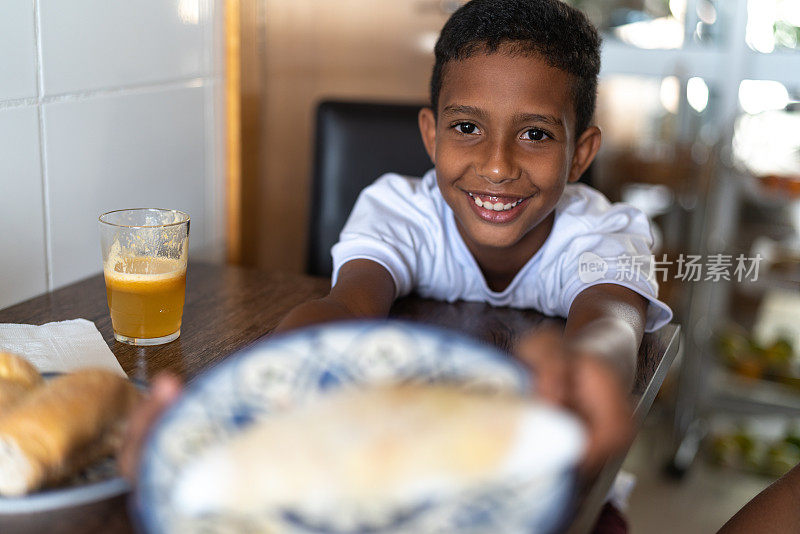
(497, 206)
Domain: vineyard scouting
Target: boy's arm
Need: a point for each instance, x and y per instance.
(604, 329)
(607, 321)
(774, 510)
(589, 366)
(363, 288)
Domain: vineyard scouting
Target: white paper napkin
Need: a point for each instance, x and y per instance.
(59, 347)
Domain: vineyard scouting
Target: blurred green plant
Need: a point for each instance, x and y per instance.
(786, 35)
(741, 353)
(744, 449)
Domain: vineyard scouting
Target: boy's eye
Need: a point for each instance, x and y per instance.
(535, 134)
(465, 127)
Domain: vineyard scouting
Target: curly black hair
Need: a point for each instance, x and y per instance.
(560, 34)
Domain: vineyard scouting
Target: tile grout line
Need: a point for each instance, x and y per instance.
(48, 245)
(18, 103)
(208, 168)
(210, 120)
(177, 83)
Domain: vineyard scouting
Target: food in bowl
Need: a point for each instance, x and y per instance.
(364, 453)
(304, 370)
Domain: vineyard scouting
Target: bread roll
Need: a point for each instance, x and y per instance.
(17, 377)
(17, 369)
(61, 427)
(10, 394)
(360, 453)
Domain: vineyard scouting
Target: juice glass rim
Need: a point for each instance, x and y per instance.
(183, 213)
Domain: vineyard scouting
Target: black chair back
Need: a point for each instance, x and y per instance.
(356, 142)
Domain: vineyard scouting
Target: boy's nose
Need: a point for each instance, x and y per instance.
(497, 163)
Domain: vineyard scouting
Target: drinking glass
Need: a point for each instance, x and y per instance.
(144, 265)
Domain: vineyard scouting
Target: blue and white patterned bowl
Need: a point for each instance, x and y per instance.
(287, 370)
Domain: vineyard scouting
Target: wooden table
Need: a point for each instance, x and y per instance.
(228, 308)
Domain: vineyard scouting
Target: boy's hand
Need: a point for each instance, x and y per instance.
(585, 384)
(165, 390)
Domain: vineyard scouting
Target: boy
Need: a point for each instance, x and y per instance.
(512, 96)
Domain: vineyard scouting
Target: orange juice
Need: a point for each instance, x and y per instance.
(145, 295)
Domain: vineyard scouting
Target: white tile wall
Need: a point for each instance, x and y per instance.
(103, 105)
(215, 164)
(95, 44)
(17, 50)
(22, 240)
(135, 150)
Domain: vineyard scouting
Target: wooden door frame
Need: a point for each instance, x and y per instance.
(233, 131)
(243, 86)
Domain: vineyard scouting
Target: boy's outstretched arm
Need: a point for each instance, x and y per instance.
(363, 288)
(602, 337)
(590, 365)
(607, 321)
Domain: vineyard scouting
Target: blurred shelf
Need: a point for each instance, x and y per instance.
(766, 282)
(738, 394)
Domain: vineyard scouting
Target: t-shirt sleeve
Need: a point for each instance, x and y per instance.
(614, 248)
(383, 227)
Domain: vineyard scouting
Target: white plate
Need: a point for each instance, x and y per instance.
(287, 370)
(56, 498)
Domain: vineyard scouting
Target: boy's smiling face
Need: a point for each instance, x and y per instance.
(504, 147)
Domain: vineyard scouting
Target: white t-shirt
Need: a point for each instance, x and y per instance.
(405, 225)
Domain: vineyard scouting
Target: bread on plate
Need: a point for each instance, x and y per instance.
(61, 427)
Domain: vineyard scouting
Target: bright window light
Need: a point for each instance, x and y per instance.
(790, 12)
(189, 11)
(756, 96)
(706, 12)
(768, 143)
(670, 93)
(678, 9)
(761, 18)
(697, 94)
(664, 33)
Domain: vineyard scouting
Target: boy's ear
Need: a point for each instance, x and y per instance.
(585, 150)
(427, 127)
